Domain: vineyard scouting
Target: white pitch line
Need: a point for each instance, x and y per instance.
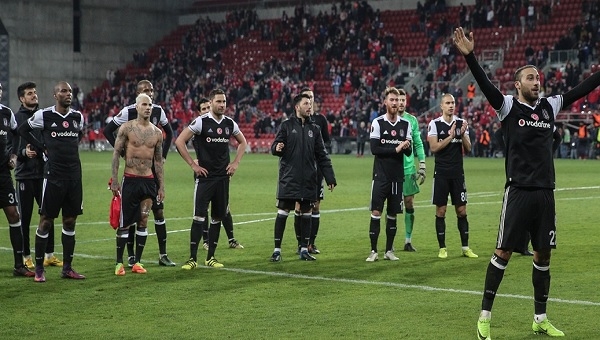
(357, 281)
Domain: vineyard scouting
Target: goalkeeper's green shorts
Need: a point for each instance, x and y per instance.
(410, 186)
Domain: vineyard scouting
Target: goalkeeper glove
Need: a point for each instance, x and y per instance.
(421, 173)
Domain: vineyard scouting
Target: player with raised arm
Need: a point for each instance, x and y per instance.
(528, 123)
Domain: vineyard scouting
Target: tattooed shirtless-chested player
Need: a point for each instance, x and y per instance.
(142, 142)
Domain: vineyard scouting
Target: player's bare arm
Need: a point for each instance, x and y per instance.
(159, 166)
(466, 141)
(181, 145)
(241, 149)
(120, 141)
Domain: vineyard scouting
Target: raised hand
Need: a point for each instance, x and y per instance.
(463, 44)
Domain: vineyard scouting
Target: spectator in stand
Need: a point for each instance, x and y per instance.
(92, 136)
(362, 134)
(471, 92)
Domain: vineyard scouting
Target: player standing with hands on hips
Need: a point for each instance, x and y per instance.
(528, 122)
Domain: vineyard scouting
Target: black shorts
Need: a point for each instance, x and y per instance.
(62, 195)
(8, 198)
(290, 205)
(527, 211)
(134, 190)
(391, 192)
(455, 187)
(215, 192)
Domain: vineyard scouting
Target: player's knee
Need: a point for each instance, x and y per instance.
(159, 214)
(408, 202)
(123, 232)
(69, 223)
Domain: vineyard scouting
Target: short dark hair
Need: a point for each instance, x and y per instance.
(305, 89)
(201, 101)
(520, 69)
(299, 97)
(27, 85)
(215, 92)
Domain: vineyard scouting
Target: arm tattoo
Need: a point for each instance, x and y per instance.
(119, 143)
(158, 160)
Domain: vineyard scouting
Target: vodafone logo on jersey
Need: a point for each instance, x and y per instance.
(536, 124)
(217, 140)
(390, 141)
(55, 134)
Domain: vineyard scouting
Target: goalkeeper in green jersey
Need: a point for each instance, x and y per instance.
(412, 177)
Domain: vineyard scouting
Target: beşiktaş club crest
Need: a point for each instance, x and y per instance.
(5, 121)
(545, 114)
(310, 133)
(75, 124)
(227, 130)
(154, 120)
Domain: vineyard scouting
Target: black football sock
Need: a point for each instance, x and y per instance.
(214, 230)
(131, 241)
(463, 229)
(228, 226)
(493, 277)
(160, 226)
(541, 286)
(305, 221)
(40, 246)
(141, 235)
(121, 244)
(16, 241)
(314, 227)
(374, 230)
(390, 232)
(68, 243)
(50, 244)
(298, 226)
(196, 232)
(440, 228)
(280, 228)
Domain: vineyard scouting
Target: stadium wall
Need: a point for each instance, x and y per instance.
(41, 40)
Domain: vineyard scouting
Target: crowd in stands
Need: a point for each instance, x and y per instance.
(327, 45)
